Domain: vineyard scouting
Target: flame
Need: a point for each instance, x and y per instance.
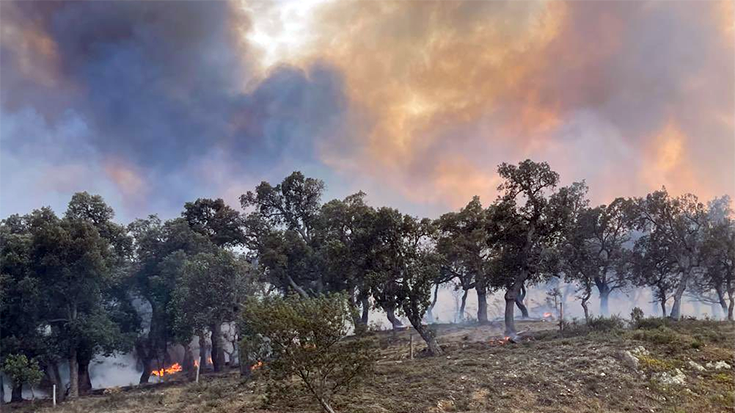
(209, 360)
(256, 366)
(196, 363)
(547, 315)
(500, 341)
(176, 367)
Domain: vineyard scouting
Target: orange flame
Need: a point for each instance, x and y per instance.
(256, 366)
(176, 367)
(547, 315)
(500, 341)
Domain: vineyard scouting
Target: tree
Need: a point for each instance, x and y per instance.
(305, 338)
(71, 260)
(407, 268)
(282, 229)
(719, 257)
(680, 224)
(22, 371)
(160, 249)
(21, 297)
(462, 242)
(117, 312)
(593, 250)
(346, 232)
(653, 265)
(215, 220)
(527, 221)
(209, 293)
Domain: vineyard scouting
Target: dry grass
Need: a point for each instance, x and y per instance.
(578, 372)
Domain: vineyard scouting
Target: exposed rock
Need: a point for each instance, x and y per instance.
(720, 365)
(668, 379)
(640, 351)
(629, 359)
(696, 366)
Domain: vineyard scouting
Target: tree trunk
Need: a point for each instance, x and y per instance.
(365, 302)
(16, 396)
(723, 303)
(202, 351)
(51, 369)
(604, 290)
(146, 359)
(463, 305)
(731, 306)
(218, 355)
(678, 294)
(586, 309)
(391, 313)
(519, 302)
(85, 382)
(73, 375)
(325, 406)
(663, 307)
(429, 314)
(356, 320)
(510, 302)
(481, 304)
(428, 336)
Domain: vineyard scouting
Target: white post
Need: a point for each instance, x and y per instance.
(198, 367)
(54, 395)
(410, 343)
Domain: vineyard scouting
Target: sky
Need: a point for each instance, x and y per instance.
(155, 103)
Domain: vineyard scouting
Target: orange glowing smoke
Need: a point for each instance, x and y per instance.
(547, 315)
(176, 367)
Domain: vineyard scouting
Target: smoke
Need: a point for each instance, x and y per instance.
(146, 97)
(628, 95)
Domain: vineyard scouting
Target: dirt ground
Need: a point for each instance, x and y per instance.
(583, 370)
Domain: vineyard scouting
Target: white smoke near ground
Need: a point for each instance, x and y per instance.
(115, 370)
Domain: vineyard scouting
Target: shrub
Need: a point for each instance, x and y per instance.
(22, 370)
(306, 338)
(636, 315)
(651, 323)
(603, 324)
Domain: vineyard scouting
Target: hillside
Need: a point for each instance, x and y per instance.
(604, 368)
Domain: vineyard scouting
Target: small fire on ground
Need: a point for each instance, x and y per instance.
(175, 368)
(256, 366)
(500, 341)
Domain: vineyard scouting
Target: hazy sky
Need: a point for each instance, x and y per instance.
(152, 104)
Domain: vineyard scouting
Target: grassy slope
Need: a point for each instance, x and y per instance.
(579, 372)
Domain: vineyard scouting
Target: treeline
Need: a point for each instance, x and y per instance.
(81, 285)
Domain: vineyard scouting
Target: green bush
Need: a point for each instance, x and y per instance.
(605, 324)
(306, 339)
(636, 315)
(660, 335)
(651, 323)
(22, 370)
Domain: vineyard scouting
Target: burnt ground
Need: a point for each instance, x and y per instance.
(582, 370)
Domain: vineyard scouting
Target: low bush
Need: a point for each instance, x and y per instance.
(651, 323)
(606, 324)
(305, 339)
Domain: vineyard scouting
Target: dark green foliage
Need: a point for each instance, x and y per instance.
(21, 370)
(606, 324)
(305, 338)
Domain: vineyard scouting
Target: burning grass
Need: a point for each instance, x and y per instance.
(580, 371)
